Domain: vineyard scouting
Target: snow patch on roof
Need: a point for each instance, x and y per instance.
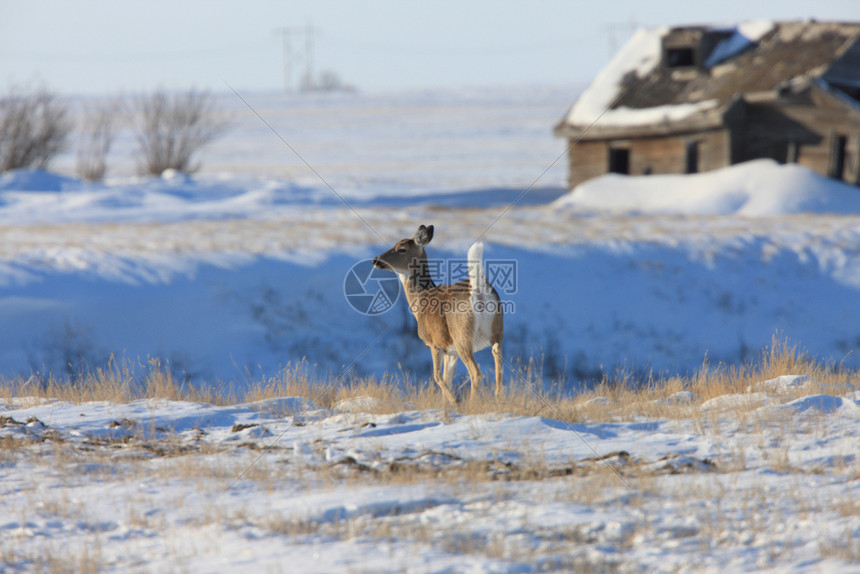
(641, 54)
(745, 35)
(625, 116)
(755, 30)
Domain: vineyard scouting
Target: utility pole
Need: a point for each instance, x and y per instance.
(287, 33)
(310, 32)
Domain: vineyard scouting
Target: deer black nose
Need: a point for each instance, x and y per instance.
(376, 263)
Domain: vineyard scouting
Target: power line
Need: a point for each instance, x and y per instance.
(615, 29)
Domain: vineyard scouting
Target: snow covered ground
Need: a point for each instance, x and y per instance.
(235, 272)
(239, 270)
(231, 279)
(765, 480)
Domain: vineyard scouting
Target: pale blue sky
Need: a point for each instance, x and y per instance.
(96, 46)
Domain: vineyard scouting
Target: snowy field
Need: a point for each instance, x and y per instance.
(232, 274)
(763, 480)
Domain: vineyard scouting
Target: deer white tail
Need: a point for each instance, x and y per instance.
(481, 298)
(477, 277)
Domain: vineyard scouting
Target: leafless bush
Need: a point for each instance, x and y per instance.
(67, 351)
(96, 137)
(34, 128)
(173, 127)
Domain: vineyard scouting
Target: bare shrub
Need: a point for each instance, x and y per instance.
(173, 127)
(96, 138)
(67, 351)
(34, 128)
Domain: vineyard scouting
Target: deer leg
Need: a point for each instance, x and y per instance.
(450, 369)
(436, 352)
(497, 357)
(468, 359)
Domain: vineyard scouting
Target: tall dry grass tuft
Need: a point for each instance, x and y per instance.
(117, 382)
(781, 358)
(291, 381)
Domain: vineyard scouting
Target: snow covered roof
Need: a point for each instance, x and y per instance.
(689, 77)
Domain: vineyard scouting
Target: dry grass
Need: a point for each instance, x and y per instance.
(626, 400)
(847, 548)
(612, 399)
(557, 549)
(116, 383)
(125, 382)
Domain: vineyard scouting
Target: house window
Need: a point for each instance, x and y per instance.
(837, 157)
(680, 57)
(619, 160)
(691, 158)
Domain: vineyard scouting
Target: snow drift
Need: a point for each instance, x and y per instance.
(759, 188)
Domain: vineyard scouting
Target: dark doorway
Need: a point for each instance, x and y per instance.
(619, 160)
(691, 160)
(837, 159)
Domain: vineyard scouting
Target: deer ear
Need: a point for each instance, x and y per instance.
(423, 235)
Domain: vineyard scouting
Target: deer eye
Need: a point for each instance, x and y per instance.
(401, 250)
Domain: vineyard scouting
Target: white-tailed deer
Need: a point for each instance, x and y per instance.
(453, 320)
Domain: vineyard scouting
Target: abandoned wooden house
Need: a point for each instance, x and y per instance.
(697, 98)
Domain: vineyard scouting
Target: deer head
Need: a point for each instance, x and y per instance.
(407, 255)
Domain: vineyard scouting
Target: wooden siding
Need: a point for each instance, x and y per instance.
(586, 160)
(827, 117)
(657, 155)
(766, 131)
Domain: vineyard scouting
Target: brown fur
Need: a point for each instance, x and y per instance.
(446, 320)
